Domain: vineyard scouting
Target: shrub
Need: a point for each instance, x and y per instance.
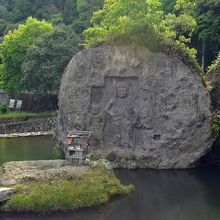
(4, 109)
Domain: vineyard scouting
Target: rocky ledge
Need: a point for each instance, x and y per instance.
(55, 185)
(42, 170)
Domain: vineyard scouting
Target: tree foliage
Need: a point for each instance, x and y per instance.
(143, 21)
(46, 59)
(215, 64)
(152, 23)
(13, 51)
(208, 29)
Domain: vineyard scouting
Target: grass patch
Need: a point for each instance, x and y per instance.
(95, 188)
(26, 114)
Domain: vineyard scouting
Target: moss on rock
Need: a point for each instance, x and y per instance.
(97, 187)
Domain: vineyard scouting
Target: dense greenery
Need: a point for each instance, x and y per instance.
(185, 23)
(146, 23)
(37, 62)
(215, 124)
(47, 58)
(215, 65)
(13, 50)
(125, 18)
(94, 189)
(207, 33)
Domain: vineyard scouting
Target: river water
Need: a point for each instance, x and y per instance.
(159, 195)
(27, 148)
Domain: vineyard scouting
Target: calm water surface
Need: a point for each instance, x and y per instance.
(28, 148)
(159, 195)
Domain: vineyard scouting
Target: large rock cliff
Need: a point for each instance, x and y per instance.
(146, 108)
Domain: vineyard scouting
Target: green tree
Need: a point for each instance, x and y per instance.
(21, 10)
(142, 20)
(4, 14)
(208, 30)
(3, 25)
(47, 12)
(85, 9)
(13, 50)
(46, 59)
(70, 11)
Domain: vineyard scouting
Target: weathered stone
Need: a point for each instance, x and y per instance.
(101, 162)
(139, 103)
(112, 156)
(43, 170)
(213, 80)
(6, 193)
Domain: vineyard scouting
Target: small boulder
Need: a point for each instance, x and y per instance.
(6, 193)
(112, 156)
(102, 163)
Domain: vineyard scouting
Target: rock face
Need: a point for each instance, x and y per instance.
(214, 81)
(147, 107)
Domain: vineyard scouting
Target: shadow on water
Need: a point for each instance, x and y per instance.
(159, 195)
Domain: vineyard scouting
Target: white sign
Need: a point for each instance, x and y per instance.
(19, 104)
(11, 103)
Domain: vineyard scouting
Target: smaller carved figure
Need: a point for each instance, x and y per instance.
(95, 123)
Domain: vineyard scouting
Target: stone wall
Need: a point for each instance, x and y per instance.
(34, 125)
(146, 107)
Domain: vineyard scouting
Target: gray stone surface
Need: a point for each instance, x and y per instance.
(6, 193)
(40, 170)
(149, 108)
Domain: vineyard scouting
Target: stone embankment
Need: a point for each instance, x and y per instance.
(21, 127)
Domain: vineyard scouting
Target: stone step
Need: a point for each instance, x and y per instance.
(6, 193)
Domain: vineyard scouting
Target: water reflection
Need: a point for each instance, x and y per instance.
(159, 195)
(31, 148)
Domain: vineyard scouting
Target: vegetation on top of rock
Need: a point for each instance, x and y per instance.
(145, 23)
(93, 189)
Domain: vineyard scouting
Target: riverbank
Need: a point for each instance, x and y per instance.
(54, 185)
